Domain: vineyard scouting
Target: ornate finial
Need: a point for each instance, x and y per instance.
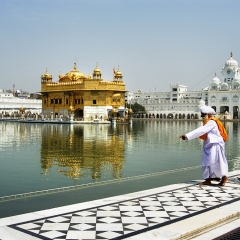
(215, 74)
(96, 64)
(231, 54)
(75, 65)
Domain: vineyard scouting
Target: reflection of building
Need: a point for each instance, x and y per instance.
(88, 97)
(223, 95)
(78, 150)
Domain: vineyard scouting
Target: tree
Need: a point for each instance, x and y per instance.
(39, 96)
(137, 108)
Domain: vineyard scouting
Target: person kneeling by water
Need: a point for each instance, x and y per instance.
(214, 162)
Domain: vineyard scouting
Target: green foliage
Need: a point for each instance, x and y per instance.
(137, 108)
(39, 96)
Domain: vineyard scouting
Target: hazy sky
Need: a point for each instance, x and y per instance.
(154, 42)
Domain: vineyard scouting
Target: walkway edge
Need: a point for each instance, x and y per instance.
(209, 227)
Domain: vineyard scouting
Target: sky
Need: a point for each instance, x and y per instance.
(153, 42)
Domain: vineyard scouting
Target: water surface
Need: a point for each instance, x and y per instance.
(43, 156)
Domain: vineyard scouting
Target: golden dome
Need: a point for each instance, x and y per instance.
(97, 73)
(73, 75)
(97, 70)
(118, 73)
(46, 75)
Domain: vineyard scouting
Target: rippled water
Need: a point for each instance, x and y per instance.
(43, 156)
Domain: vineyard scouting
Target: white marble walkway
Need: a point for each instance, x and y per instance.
(161, 213)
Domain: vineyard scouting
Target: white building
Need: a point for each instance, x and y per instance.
(222, 95)
(10, 104)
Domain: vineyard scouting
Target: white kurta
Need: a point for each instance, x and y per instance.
(214, 163)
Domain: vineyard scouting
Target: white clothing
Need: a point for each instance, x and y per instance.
(214, 162)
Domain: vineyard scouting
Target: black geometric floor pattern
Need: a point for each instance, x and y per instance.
(123, 219)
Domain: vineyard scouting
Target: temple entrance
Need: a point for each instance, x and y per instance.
(79, 114)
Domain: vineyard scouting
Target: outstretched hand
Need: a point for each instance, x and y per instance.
(183, 137)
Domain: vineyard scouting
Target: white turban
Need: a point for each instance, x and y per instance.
(207, 109)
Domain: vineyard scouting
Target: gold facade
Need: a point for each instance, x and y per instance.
(82, 95)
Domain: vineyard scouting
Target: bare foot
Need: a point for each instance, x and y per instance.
(223, 181)
(215, 179)
(206, 182)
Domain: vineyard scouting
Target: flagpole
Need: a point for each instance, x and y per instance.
(113, 73)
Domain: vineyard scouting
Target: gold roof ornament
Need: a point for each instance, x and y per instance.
(114, 110)
(46, 73)
(118, 75)
(130, 111)
(60, 75)
(71, 108)
(46, 76)
(97, 72)
(73, 75)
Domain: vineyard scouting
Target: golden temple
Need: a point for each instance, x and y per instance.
(87, 97)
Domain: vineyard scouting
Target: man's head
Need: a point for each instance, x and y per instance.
(207, 112)
(205, 116)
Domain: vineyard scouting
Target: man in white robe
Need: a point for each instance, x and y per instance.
(214, 163)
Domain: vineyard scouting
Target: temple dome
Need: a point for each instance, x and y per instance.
(201, 103)
(73, 75)
(46, 76)
(215, 81)
(97, 70)
(118, 73)
(231, 62)
(236, 81)
(224, 86)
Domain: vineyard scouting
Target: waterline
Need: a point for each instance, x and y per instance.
(88, 185)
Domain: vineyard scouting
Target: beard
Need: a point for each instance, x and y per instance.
(205, 118)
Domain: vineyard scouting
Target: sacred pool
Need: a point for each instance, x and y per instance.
(50, 165)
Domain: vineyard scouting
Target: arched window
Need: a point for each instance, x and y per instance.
(213, 99)
(235, 98)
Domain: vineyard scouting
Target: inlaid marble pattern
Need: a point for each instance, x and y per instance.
(123, 219)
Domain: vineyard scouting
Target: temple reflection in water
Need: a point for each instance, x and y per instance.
(42, 156)
(78, 150)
